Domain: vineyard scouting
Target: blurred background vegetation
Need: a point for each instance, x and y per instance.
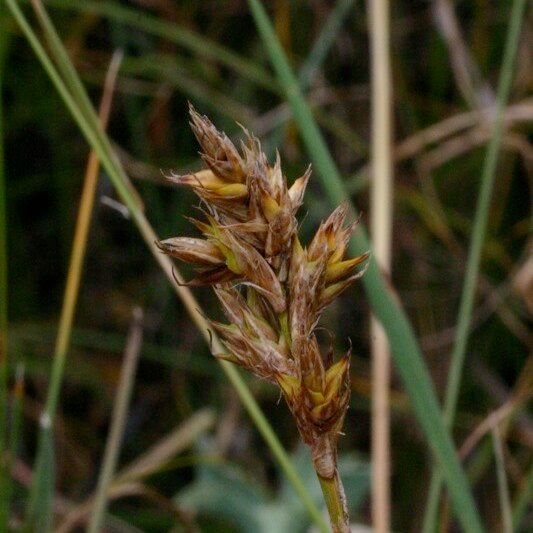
(446, 59)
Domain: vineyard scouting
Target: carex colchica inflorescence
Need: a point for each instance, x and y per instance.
(272, 288)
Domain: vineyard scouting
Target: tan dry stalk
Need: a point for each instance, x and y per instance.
(381, 227)
(271, 288)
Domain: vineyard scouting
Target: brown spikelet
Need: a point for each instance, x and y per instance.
(271, 288)
(192, 250)
(219, 152)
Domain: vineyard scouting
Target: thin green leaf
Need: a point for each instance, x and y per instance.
(40, 337)
(313, 62)
(464, 317)
(41, 502)
(405, 350)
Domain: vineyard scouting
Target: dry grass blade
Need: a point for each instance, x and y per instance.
(79, 246)
(480, 121)
(467, 75)
(174, 443)
(381, 212)
(487, 425)
(118, 420)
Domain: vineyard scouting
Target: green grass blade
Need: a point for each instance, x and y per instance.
(479, 231)
(162, 67)
(405, 349)
(211, 50)
(95, 136)
(75, 87)
(5, 479)
(94, 340)
(39, 515)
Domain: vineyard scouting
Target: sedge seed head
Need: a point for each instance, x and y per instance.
(272, 289)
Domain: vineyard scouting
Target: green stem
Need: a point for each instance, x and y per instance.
(479, 231)
(273, 442)
(335, 499)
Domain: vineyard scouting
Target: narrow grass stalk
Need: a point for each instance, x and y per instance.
(5, 478)
(381, 212)
(39, 514)
(464, 317)
(116, 174)
(405, 348)
(503, 484)
(79, 248)
(75, 87)
(118, 420)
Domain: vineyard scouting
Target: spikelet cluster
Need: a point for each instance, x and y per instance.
(272, 289)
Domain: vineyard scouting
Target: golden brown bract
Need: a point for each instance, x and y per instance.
(250, 241)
